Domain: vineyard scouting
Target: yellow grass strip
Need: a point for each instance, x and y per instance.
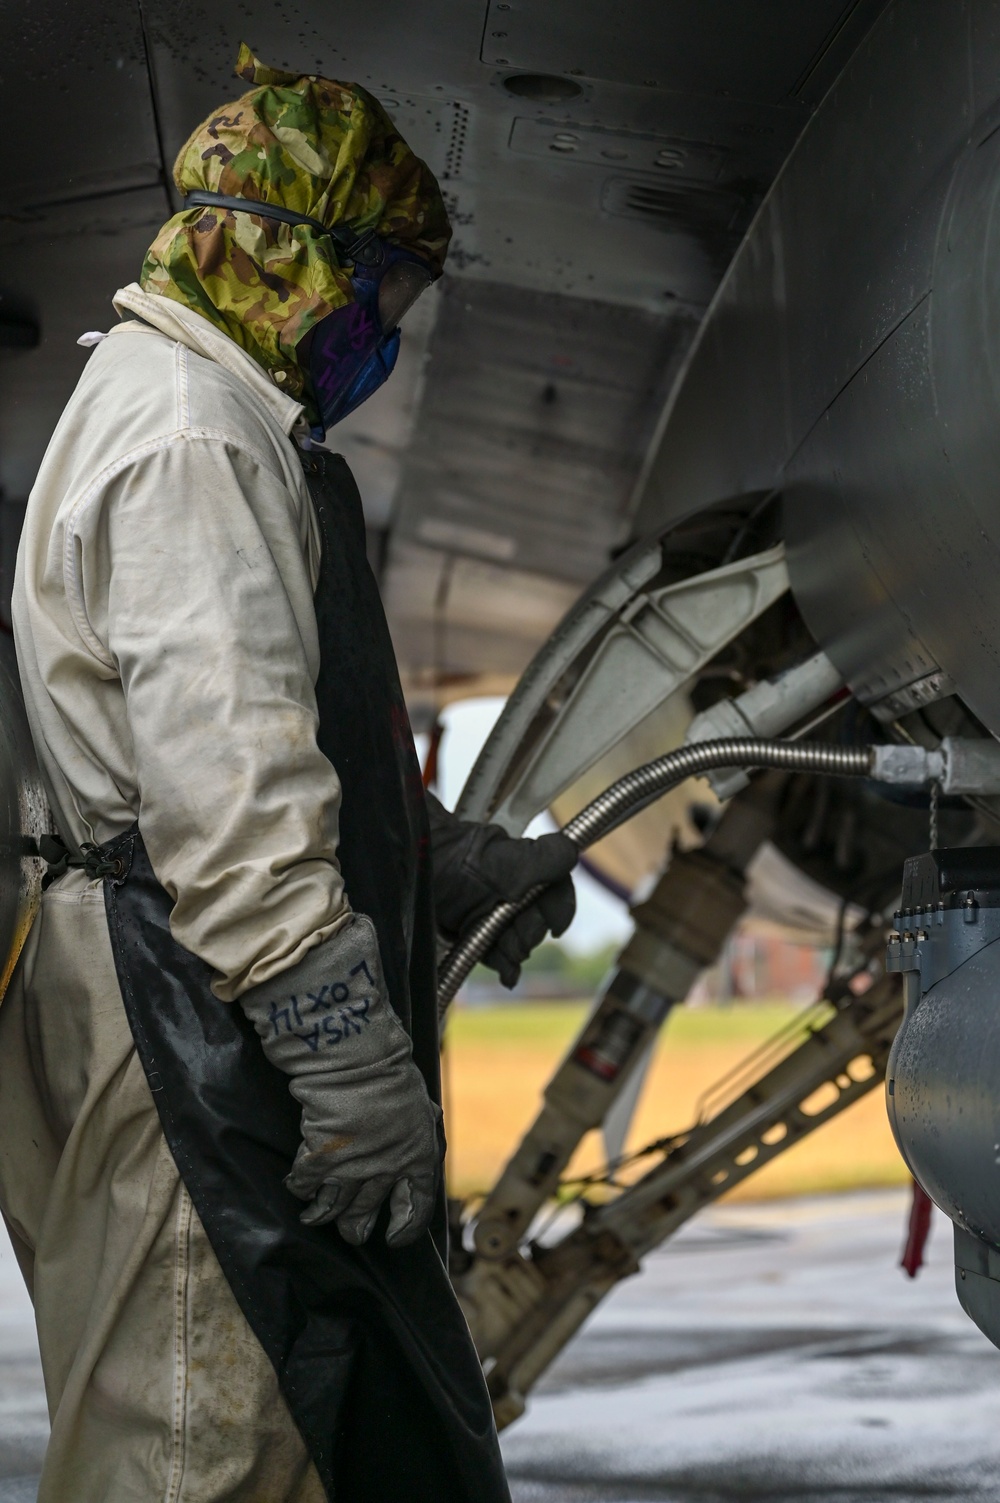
(499, 1058)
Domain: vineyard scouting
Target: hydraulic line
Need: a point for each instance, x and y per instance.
(640, 788)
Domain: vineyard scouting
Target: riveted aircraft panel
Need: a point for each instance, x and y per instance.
(759, 52)
(78, 118)
(537, 219)
(534, 415)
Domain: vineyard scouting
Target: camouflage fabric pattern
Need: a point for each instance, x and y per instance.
(306, 143)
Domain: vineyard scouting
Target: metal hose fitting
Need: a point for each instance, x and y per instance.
(634, 792)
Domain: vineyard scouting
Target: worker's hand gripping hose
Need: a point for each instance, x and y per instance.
(642, 787)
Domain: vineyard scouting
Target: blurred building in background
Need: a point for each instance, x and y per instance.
(758, 962)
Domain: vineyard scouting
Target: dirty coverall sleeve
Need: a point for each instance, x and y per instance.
(200, 562)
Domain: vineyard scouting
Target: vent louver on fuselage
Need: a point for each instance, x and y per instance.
(681, 204)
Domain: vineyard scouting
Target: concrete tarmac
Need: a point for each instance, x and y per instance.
(770, 1352)
(24, 1421)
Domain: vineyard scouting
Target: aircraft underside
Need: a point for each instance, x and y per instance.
(787, 529)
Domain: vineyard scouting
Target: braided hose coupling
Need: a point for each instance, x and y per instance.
(637, 789)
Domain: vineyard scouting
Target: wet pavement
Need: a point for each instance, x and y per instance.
(24, 1423)
(770, 1352)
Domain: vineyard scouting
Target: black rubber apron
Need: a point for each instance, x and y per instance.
(370, 1346)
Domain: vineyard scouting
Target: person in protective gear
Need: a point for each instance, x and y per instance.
(220, 1143)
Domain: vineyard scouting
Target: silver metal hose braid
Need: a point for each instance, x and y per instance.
(635, 791)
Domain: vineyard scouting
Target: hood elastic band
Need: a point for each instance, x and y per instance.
(354, 247)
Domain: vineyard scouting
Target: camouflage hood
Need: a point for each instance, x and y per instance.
(321, 148)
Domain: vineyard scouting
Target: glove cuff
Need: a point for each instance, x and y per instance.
(329, 1012)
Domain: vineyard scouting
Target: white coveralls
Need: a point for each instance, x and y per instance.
(168, 651)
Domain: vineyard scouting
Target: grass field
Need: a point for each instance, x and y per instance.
(498, 1059)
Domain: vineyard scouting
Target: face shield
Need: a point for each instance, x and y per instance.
(352, 352)
(398, 290)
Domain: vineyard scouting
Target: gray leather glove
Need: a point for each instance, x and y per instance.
(370, 1132)
(477, 866)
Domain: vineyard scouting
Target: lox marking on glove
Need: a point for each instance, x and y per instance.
(369, 1127)
(331, 1027)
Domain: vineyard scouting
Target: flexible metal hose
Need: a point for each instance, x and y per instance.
(635, 791)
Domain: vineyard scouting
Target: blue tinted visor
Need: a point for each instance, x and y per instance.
(352, 353)
(374, 373)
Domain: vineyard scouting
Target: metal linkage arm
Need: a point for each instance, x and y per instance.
(680, 929)
(524, 1309)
